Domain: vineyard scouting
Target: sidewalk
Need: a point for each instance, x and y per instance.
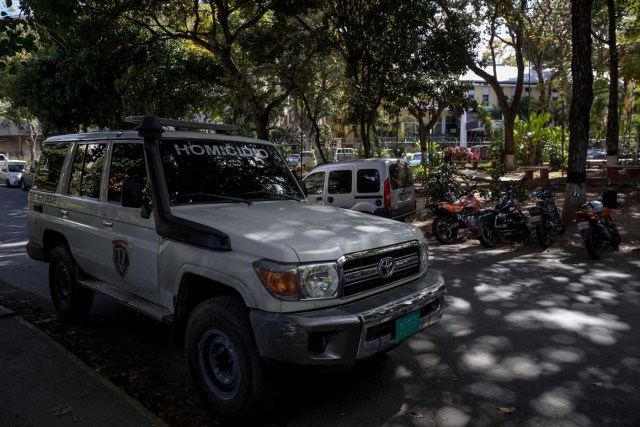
(42, 384)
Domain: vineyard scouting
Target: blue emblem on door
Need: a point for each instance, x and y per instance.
(120, 257)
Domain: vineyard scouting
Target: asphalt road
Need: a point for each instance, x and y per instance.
(529, 337)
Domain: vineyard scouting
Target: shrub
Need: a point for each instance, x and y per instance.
(457, 154)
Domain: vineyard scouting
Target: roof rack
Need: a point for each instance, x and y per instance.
(185, 124)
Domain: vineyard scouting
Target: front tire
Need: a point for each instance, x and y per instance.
(71, 301)
(593, 243)
(443, 229)
(23, 185)
(543, 233)
(223, 358)
(487, 234)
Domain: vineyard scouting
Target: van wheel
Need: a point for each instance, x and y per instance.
(23, 185)
(223, 358)
(71, 301)
(8, 183)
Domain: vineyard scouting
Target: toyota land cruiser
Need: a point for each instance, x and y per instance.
(211, 234)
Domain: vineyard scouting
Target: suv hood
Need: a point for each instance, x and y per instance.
(295, 231)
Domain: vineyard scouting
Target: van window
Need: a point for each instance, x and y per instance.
(50, 166)
(340, 182)
(400, 175)
(87, 170)
(314, 183)
(368, 181)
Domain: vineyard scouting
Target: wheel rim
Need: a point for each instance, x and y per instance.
(444, 229)
(63, 283)
(220, 364)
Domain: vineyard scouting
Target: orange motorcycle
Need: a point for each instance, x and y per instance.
(455, 214)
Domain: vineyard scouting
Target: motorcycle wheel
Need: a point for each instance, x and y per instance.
(443, 229)
(543, 233)
(593, 243)
(487, 235)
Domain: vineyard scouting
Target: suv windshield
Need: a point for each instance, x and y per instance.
(198, 171)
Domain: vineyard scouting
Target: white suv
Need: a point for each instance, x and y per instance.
(211, 234)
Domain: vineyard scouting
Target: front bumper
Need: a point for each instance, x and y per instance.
(337, 337)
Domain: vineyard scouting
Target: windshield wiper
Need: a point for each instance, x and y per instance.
(270, 193)
(205, 196)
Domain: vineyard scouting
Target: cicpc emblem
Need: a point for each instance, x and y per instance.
(386, 266)
(120, 257)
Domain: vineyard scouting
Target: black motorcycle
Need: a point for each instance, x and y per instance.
(505, 219)
(545, 216)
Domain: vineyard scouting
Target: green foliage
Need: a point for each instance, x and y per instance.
(496, 147)
(552, 149)
(530, 136)
(443, 177)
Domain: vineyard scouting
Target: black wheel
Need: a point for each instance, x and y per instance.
(542, 231)
(443, 229)
(23, 185)
(71, 301)
(593, 243)
(487, 235)
(223, 358)
(8, 183)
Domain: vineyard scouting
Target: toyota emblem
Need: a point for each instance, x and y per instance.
(386, 267)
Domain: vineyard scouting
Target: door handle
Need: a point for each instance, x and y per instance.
(107, 223)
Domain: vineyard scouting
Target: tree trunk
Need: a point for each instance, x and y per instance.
(613, 123)
(582, 98)
(509, 145)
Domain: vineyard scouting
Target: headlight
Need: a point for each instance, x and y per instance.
(296, 282)
(424, 255)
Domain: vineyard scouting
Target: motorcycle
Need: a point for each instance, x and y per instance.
(595, 223)
(455, 214)
(505, 219)
(544, 216)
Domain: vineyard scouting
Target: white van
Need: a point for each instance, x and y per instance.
(382, 187)
(344, 155)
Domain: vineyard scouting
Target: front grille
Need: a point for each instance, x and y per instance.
(360, 270)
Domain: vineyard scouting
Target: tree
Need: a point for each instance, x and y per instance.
(582, 99)
(93, 71)
(25, 121)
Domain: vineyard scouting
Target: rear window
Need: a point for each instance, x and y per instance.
(400, 175)
(50, 166)
(368, 181)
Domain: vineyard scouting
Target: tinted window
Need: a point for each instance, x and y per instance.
(86, 173)
(400, 175)
(209, 171)
(50, 166)
(127, 162)
(340, 182)
(368, 181)
(315, 183)
(16, 167)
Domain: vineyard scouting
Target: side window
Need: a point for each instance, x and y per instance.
(315, 183)
(50, 166)
(400, 175)
(368, 181)
(340, 182)
(86, 173)
(127, 162)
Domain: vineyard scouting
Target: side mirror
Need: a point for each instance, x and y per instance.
(132, 194)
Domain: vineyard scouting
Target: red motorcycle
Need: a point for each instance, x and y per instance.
(596, 225)
(455, 214)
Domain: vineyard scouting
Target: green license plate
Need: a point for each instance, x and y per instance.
(407, 325)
